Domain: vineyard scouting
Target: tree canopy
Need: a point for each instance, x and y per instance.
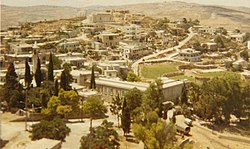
(50, 68)
(55, 129)
(27, 76)
(12, 90)
(66, 78)
(125, 118)
(94, 107)
(101, 137)
(38, 73)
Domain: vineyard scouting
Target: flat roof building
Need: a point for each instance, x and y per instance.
(190, 55)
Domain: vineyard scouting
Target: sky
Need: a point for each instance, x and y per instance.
(83, 3)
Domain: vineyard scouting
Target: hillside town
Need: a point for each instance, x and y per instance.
(162, 83)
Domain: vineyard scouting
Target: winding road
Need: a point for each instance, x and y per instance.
(135, 65)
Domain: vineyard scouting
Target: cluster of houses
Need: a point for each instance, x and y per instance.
(110, 40)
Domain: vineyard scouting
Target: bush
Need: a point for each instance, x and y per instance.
(101, 137)
(55, 129)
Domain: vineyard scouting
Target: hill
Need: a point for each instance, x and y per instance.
(228, 17)
(13, 15)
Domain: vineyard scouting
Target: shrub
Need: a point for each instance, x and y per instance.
(55, 129)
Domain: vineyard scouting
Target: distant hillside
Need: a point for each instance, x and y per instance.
(13, 15)
(229, 17)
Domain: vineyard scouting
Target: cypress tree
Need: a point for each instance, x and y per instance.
(50, 69)
(92, 81)
(66, 79)
(38, 74)
(28, 77)
(56, 88)
(125, 118)
(12, 92)
(11, 77)
(184, 94)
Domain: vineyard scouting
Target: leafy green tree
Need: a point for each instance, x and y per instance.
(66, 102)
(50, 69)
(92, 80)
(27, 76)
(158, 135)
(244, 111)
(116, 107)
(133, 99)
(219, 98)
(152, 117)
(132, 77)
(94, 107)
(55, 129)
(125, 118)
(38, 73)
(154, 98)
(66, 78)
(101, 137)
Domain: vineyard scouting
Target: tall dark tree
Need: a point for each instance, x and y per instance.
(12, 91)
(66, 78)
(92, 81)
(28, 77)
(184, 97)
(56, 91)
(38, 74)
(116, 107)
(50, 69)
(125, 118)
(11, 77)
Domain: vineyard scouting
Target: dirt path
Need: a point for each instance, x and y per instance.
(206, 138)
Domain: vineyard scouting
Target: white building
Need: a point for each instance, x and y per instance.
(68, 45)
(136, 51)
(239, 37)
(132, 29)
(190, 55)
(75, 59)
(111, 87)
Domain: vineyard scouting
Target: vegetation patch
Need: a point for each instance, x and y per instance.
(157, 70)
(216, 74)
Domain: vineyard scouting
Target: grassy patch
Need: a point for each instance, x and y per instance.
(154, 71)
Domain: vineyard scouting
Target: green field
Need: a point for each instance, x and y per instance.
(157, 70)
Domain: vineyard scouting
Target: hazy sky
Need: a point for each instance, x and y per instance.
(82, 3)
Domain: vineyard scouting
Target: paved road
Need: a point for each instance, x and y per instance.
(135, 65)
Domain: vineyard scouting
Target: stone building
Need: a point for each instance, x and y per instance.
(101, 17)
